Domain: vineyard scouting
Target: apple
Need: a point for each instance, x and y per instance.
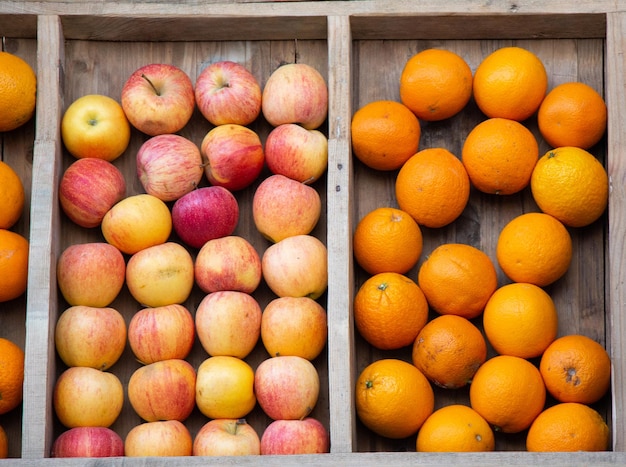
(307, 436)
(226, 92)
(228, 323)
(89, 336)
(296, 267)
(294, 326)
(228, 263)
(89, 188)
(204, 214)
(158, 98)
(225, 387)
(160, 275)
(163, 390)
(84, 396)
(227, 437)
(286, 387)
(161, 333)
(91, 274)
(88, 441)
(234, 155)
(169, 166)
(137, 222)
(283, 207)
(95, 126)
(295, 93)
(295, 152)
(165, 438)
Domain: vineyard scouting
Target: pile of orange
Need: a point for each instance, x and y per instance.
(458, 283)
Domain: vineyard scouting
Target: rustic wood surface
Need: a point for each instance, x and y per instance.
(360, 47)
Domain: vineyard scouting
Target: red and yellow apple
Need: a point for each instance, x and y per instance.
(88, 441)
(84, 396)
(234, 155)
(296, 267)
(284, 437)
(227, 437)
(228, 323)
(295, 152)
(295, 93)
(89, 188)
(163, 438)
(161, 333)
(158, 98)
(160, 275)
(226, 92)
(169, 166)
(228, 263)
(286, 387)
(91, 274)
(163, 390)
(89, 336)
(283, 207)
(95, 126)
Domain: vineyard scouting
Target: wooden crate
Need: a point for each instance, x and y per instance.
(360, 47)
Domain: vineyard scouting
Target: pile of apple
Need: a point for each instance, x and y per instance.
(178, 234)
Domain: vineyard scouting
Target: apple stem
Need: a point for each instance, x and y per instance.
(151, 84)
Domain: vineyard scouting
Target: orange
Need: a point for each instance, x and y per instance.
(18, 88)
(384, 134)
(499, 155)
(4, 444)
(433, 187)
(390, 310)
(568, 427)
(457, 279)
(534, 248)
(13, 265)
(11, 196)
(387, 240)
(435, 84)
(11, 375)
(449, 350)
(572, 114)
(455, 428)
(508, 392)
(393, 398)
(576, 368)
(521, 320)
(570, 184)
(510, 83)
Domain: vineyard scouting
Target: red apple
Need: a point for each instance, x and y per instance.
(89, 188)
(283, 207)
(88, 441)
(158, 98)
(228, 323)
(169, 166)
(295, 93)
(228, 263)
(286, 387)
(160, 275)
(166, 438)
(91, 274)
(85, 396)
(204, 214)
(295, 152)
(227, 437)
(294, 326)
(307, 436)
(226, 92)
(89, 336)
(296, 267)
(163, 390)
(161, 333)
(234, 154)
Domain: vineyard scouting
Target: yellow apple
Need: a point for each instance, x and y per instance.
(158, 439)
(95, 126)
